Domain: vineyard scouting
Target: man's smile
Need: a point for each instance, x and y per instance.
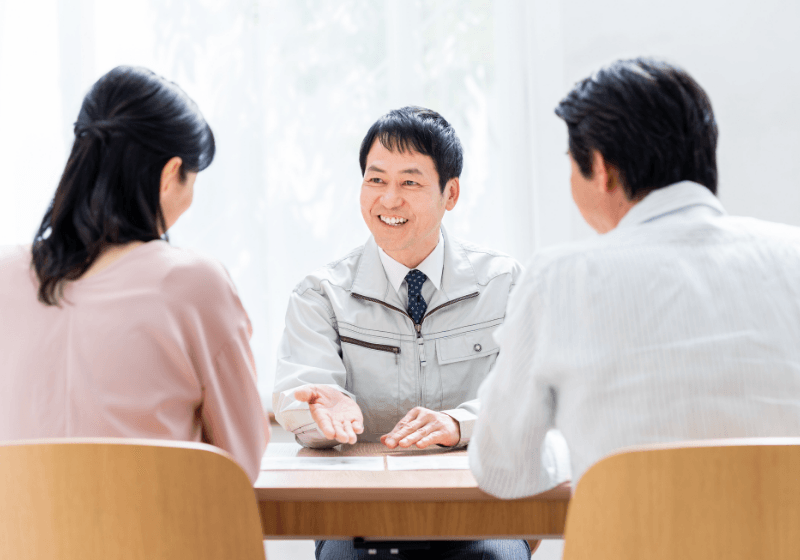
(392, 220)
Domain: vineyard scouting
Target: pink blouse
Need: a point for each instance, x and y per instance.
(154, 346)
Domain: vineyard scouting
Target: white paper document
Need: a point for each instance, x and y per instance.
(427, 462)
(322, 464)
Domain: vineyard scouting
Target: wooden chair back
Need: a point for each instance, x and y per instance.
(731, 499)
(101, 499)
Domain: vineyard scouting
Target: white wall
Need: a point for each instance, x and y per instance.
(743, 53)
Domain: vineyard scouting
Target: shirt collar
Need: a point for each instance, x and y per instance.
(669, 200)
(432, 266)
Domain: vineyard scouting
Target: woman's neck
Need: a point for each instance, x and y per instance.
(108, 256)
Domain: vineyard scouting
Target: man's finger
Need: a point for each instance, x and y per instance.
(390, 440)
(341, 435)
(430, 439)
(348, 430)
(358, 427)
(408, 423)
(409, 428)
(325, 425)
(410, 416)
(401, 431)
(413, 438)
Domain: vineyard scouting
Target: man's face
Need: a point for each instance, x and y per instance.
(402, 204)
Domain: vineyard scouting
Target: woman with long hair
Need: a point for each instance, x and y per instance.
(105, 328)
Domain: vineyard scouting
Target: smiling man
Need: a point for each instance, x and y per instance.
(391, 342)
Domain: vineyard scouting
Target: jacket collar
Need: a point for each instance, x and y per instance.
(458, 276)
(370, 279)
(670, 200)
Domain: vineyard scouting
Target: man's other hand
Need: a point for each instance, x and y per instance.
(337, 415)
(423, 427)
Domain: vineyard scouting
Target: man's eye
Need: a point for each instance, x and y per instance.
(410, 182)
(375, 180)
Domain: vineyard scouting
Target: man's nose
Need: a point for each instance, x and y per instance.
(391, 197)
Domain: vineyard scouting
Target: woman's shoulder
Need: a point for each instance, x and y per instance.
(189, 272)
(14, 253)
(191, 280)
(179, 260)
(15, 260)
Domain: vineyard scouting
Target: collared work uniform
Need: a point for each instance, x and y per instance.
(347, 328)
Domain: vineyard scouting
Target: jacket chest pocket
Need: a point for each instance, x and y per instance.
(464, 361)
(373, 376)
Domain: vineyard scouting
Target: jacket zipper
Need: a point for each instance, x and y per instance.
(420, 340)
(462, 298)
(418, 327)
(383, 303)
(428, 314)
(382, 347)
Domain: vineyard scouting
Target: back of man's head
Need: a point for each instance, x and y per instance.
(421, 130)
(648, 119)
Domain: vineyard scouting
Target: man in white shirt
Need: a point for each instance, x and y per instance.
(680, 322)
(390, 343)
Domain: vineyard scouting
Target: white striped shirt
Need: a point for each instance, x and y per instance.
(682, 323)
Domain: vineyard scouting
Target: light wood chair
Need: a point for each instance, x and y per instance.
(727, 499)
(93, 499)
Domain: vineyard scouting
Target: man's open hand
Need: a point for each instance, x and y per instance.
(337, 415)
(423, 427)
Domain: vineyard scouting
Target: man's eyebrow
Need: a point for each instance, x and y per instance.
(409, 171)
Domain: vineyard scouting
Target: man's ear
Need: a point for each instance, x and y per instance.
(451, 191)
(604, 173)
(600, 172)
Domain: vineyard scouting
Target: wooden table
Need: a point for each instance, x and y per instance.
(395, 505)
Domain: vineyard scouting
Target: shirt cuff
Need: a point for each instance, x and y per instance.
(306, 432)
(556, 467)
(466, 423)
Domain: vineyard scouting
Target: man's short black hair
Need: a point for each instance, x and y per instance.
(421, 130)
(649, 119)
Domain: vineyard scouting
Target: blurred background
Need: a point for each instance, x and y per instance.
(290, 89)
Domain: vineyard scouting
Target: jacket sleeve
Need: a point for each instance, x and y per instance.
(309, 353)
(514, 450)
(467, 412)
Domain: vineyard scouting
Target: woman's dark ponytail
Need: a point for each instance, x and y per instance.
(131, 123)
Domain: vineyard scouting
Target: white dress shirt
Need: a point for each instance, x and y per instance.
(431, 267)
(682, 323)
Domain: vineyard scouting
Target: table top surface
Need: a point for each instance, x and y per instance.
(356, 485)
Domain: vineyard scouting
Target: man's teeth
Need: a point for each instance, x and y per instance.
(393, 221)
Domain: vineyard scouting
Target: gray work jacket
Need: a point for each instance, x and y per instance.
(347, 328)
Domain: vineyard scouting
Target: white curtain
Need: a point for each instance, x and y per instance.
(290, 88)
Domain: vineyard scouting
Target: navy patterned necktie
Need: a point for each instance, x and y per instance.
(416, 303)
